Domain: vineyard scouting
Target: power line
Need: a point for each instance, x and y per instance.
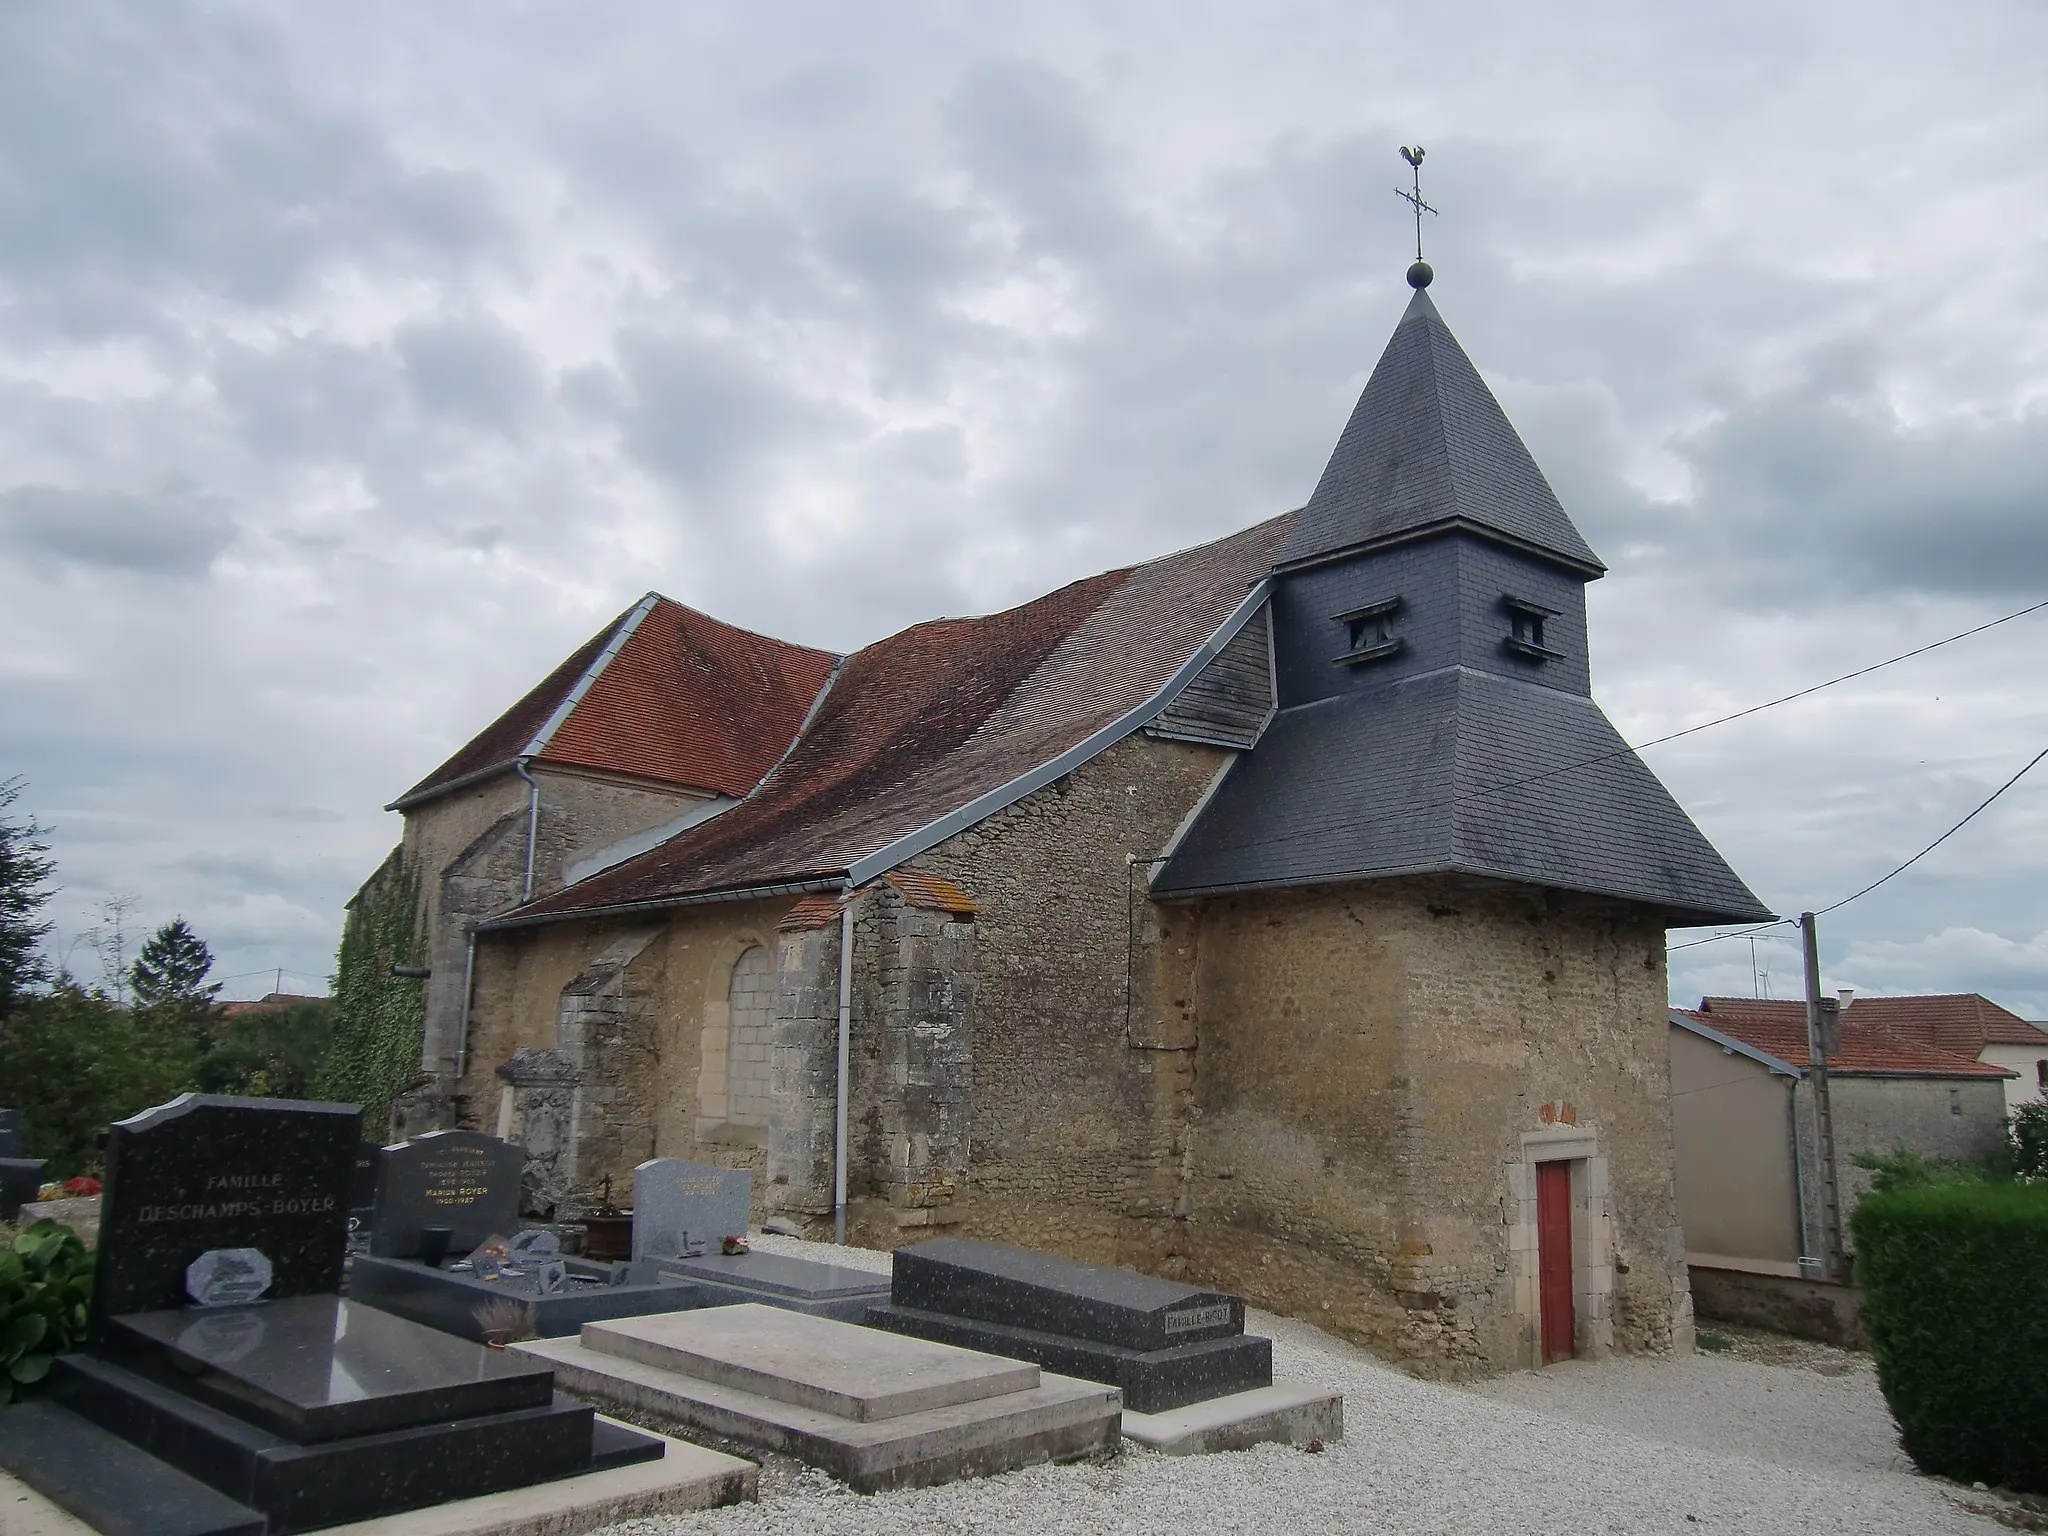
(1897, 870)
(1951, 832)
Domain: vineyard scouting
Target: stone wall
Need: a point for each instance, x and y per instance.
(1952, 1120)
(470, 849)
(1381, 1065)
(1072, 1128)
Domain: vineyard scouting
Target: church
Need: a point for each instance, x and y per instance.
(1281, 914)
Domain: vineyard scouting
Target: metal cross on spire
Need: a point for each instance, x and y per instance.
(1419, 274)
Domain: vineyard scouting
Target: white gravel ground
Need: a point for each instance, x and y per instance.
(1638, 1445)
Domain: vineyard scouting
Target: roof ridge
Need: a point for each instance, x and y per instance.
(622, 631)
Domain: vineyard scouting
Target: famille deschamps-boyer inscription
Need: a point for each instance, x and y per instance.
(227, 1196)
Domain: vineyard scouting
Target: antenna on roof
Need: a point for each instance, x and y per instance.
(1419, 274)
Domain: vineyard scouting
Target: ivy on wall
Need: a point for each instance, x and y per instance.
(378, 1017)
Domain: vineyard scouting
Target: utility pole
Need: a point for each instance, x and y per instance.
(1832, 1260)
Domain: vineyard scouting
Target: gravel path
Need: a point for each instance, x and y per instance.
(1707, 1443)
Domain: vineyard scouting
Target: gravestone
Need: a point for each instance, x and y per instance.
(683, 1209)
(362, 1192)
(206, 1172)
(1165, 1344)
(21, 1180)
(242, 1416)
(462, 1180)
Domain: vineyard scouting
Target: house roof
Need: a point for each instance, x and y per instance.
(664, 693)
(1455, 771)
(1962, 1022)
(1695, 1024)
(1429, 448)
(1869, 1047)
(940, 723)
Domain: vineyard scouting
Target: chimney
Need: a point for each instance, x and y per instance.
(1846, 994)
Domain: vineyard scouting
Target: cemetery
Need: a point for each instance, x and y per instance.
(293, 1330)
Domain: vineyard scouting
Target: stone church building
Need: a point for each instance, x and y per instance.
(1281, 914)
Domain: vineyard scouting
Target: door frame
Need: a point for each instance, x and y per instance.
(1592, 1238)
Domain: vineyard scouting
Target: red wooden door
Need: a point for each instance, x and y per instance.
(1554, 1258)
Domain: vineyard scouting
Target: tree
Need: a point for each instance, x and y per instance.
(169, 978)
(74, 1060)
(24, 869)
(269, 1052)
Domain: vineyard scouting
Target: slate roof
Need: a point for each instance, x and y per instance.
(1457, 771)
(1427, 448)
(945, 718)
(664, 693)
(1959, 1022)
(1869, 1047)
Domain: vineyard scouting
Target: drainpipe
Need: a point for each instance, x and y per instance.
(1798, 1174)
(845, 1033)
(532, 823)
(462, 1027)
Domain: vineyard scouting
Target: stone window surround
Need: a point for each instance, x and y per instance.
(714, 1123)
(1592, 1237)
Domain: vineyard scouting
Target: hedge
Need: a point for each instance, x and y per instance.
(1955, 1303)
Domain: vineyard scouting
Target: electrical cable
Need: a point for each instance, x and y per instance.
(1900, 869)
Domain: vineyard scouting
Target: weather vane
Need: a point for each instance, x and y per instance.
(1419, 274)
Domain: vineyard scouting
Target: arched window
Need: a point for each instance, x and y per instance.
(750, 1025)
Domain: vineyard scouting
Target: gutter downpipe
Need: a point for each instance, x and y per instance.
(462, 1028)
(845, 1034)
(1798, 1174)
(532, 823)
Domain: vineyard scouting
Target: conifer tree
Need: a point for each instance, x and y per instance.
(24, 871)
(169, 978)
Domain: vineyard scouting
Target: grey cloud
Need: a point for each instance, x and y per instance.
(160, 149)
(473, 370)
(169, 535)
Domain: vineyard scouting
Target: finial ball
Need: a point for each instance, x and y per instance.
(1420, 274)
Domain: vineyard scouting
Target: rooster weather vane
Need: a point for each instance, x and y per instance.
(1419, 274)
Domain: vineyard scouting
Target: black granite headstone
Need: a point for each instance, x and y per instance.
(207, 1172)
(21, 1180)
(10, 1133)
(1165, 1344)
(462, 1180)
(362, 1192)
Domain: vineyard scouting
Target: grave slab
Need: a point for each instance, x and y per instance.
(1288, 1414)
(1018, 1288)
(1152, 1380)
(686, 1477)
(471, 1308)
(1058, 1419)
(777, 1280)
(462, 1180)
(853, 1373)
(21, 1180)
(318, 1367)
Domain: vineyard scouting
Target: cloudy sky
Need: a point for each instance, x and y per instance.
(358, 362)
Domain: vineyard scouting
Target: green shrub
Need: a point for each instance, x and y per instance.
(1955, 1303)
(2029, 1131)
(45, 1289)
(74, 1061)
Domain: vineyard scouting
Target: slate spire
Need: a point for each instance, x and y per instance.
(1428, 449)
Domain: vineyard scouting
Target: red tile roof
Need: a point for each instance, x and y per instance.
(920, 724)
(1869, 1047)
(681, 698)
(813, 911)
(1963, 1022)
(934, 893)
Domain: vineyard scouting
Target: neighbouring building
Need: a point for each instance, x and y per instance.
(1282, 913)
(1747, 1139)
